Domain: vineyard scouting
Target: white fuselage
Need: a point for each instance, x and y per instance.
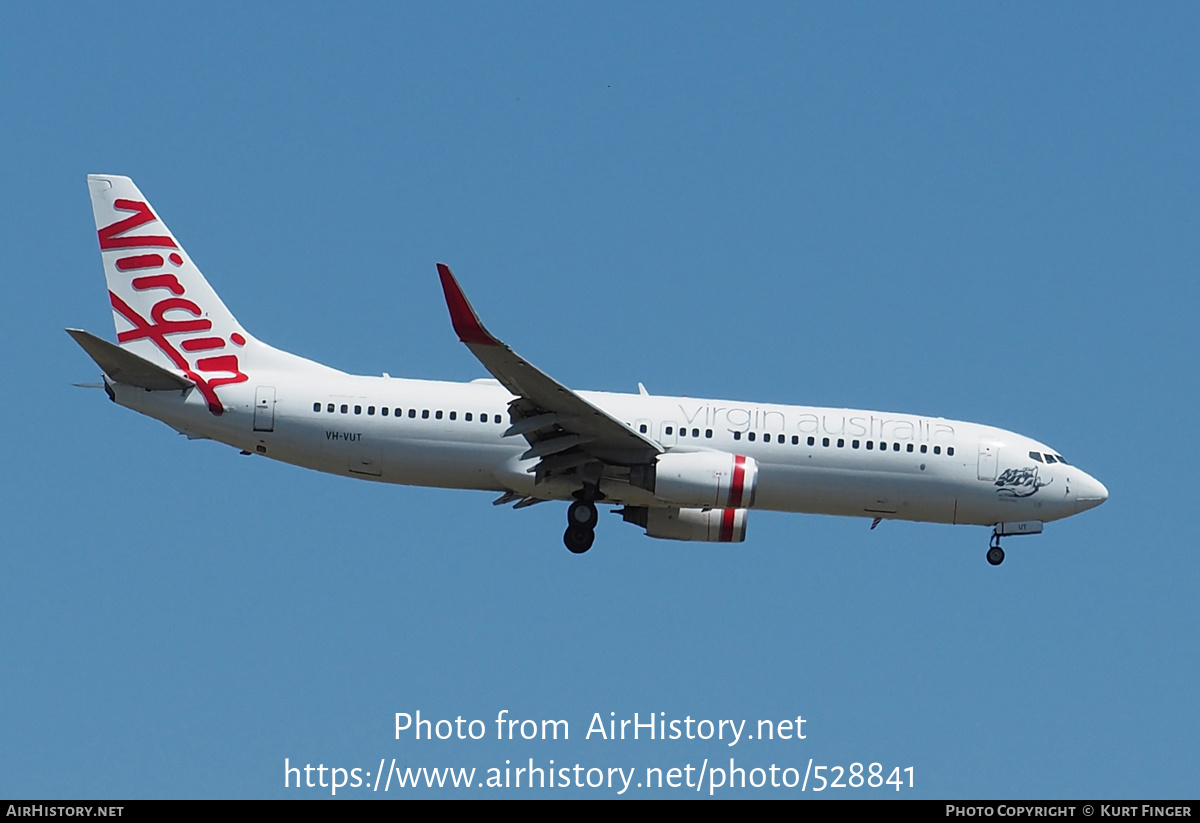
(682, 468)
(816, 460)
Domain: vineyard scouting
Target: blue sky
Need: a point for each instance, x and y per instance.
(982, 212)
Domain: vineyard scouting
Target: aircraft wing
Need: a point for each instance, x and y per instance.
(562, 428)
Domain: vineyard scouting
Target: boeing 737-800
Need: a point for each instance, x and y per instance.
(680, 468)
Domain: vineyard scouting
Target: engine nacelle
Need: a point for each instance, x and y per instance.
(702, 480)
(701, 525)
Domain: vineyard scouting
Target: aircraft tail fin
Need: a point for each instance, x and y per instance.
(165, 312)
(157, 292)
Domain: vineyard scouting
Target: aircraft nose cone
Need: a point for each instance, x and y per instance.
(1089, 493)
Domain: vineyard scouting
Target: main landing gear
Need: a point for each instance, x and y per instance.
(995, 554)
(581, 526)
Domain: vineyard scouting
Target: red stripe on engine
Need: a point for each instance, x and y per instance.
(727, 518)
(739, 480)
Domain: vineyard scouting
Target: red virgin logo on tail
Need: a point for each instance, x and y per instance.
(153, 271)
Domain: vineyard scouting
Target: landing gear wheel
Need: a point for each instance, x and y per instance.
(583, 513)
(995, 555)
(578, 539)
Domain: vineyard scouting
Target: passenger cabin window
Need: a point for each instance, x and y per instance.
(824, 441)
(424, 414)
(438, 414)
(854, 444)
(641, 427)
(384, 411)
(412, 412)
(345, 408)
(737, 435)
(358, 409)
(453, 415)
(329, 408)
(468, 417)
(812, 441)
(950, 450)
(937, 449)
(924, 448)
(750, 437)
(370, 410)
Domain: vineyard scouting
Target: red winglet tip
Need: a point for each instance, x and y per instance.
(462, 316)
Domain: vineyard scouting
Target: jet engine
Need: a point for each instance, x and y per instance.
(701, 525)
(706, 480)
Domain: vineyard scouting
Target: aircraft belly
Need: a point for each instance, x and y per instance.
(444, 464)
(185, 412)
(855, 493)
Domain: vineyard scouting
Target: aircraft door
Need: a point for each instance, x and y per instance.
(264, 409)
(989, 455)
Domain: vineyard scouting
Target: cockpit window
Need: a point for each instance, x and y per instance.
(1050, 459)
(1036, 456)
(1062, 460)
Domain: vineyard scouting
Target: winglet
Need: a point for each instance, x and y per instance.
(466, 322)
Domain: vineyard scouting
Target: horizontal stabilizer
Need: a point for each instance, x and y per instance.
(124, 366)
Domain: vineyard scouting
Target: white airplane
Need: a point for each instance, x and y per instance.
(681, 468)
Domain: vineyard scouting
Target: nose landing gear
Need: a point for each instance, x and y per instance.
(995, 554)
